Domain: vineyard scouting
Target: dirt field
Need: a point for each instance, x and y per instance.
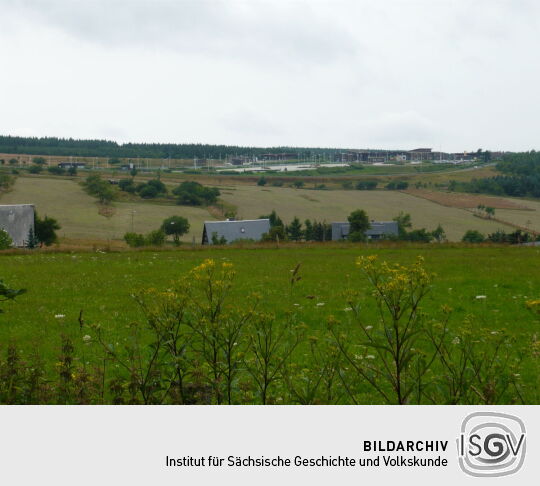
(525, 219)
(470, 201)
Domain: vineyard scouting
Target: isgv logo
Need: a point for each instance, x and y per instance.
(491, 444)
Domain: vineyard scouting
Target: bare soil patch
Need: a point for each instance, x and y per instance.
(466, 201)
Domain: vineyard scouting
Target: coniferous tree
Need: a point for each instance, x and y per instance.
(294, 230)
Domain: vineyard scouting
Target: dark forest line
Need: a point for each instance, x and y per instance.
(108, 148)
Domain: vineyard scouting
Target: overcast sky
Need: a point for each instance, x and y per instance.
(456, 75)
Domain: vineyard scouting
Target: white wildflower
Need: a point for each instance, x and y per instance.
(455, 340)
(59, 316)
(348, 309)
(87, 338)
(320, 304)
(481, 297)
(494, 332)
(368, 328)
(370, 356)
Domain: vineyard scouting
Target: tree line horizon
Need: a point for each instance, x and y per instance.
(57, 146)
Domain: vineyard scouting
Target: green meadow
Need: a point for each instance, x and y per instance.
(101, 284)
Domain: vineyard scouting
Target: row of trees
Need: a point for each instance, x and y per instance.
(53, 169)
(147, 190)
(359, 224)
(499, 236)
(97, 187)
(296, 231)
(107, 148)
(188, 193)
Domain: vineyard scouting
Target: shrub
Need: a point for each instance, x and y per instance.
(54, 169)
(45, 230)
(35, 169)
(398, 186)
(419, 236)
(218, 240)
(398, 291)
(366, 185)
(134, 240)
(96, 186)
(473, 236)
(191, 193)
(155, 238)
(5, 240)
(148, 192)
(126, 185)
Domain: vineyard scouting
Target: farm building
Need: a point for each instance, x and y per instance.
(17, 220)
(69, 165)
(232, 230)
(377, 231)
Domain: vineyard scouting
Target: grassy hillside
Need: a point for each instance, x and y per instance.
(252, 201)
(79, 215)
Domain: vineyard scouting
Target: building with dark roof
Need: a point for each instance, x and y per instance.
(233, 230)
(378, 230)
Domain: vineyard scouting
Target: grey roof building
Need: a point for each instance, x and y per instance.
(377, 231)
(17, 220)
(232, 230)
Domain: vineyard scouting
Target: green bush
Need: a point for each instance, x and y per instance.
(151, 189)
(473, 236)
(35, 169)
(126, 185)
(5, 240)
(45, 230)
(96, 186)
(155, 238)
(366, 185)
(191, 193)
(54, 169)
(137, 240)
(134, 240)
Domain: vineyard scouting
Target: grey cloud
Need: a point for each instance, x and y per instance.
(257, 31)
